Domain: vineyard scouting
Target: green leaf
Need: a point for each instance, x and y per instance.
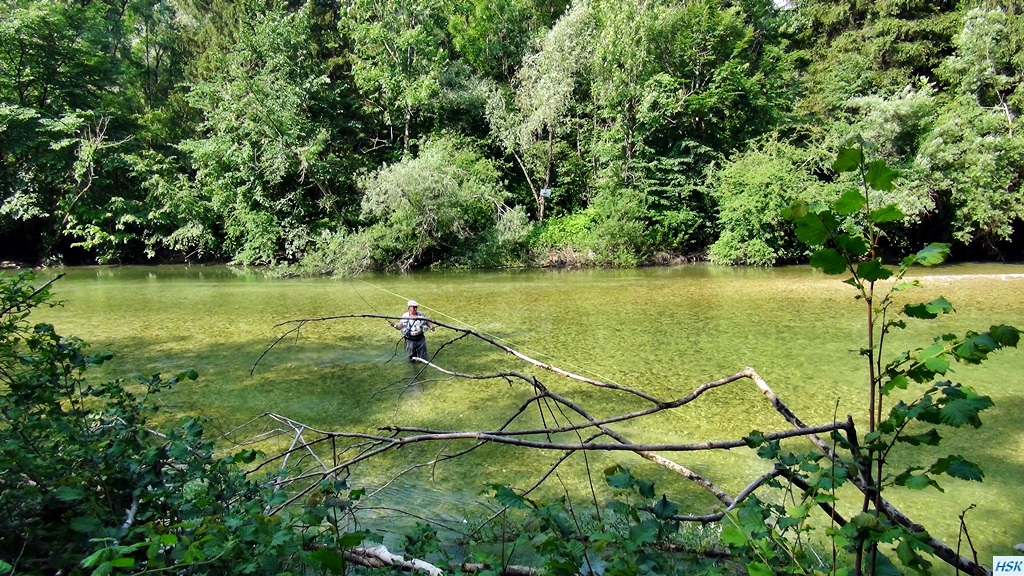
(328, 560)
(86, 524)
(873, 271)
(880, 176)
(828, 261)
(509, 497)
(245, 456)
(769, 450)
(350, 539)
(899, 381)
(919, 311)
(932, 254)
(937, 364)
(853, 245)
(96, 557)
(976, 348)
(759, 569)
(122, 562)
(824, 498)
(1005, 335)
(906, 285)
(864, 521)
(796, 210)
(799, 512)
(811, 230)
(940, 305)
(907, 552)
(937, 349)
(958, 467)
(754, 439)
(929, 438)
(850, 202)
(789, 459)
(665, 508)
(68, 493)
(645, 488)
(847, 159)
(919, 482)
(620, 508)
(644, 532)
(885, 214)
(733, 536)
(620, 478)
(957, 412)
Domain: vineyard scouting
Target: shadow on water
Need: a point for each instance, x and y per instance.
(665, 331)
(993, 521)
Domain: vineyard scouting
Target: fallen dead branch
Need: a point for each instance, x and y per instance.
(351, 448)
(379, 557)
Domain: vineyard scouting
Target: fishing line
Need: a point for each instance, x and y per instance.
(367, 302)
(493, 336)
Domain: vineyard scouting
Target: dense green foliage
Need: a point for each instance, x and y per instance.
(911, 406)
(88, 485)
(263, 132)
(91, 484)
(846, 236)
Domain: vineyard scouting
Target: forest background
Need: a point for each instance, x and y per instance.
(328, 137)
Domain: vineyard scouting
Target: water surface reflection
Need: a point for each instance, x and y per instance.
(664, 330)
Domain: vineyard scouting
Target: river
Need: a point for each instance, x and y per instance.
(661, 330)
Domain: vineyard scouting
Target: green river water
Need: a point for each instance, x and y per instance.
(662, 330)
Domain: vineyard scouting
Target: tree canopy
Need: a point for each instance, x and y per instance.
(618, 132)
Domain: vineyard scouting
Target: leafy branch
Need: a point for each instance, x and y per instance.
(845, 236)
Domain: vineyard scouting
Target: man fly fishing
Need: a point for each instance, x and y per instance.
(413, 324)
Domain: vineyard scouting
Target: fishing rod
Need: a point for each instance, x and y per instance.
(367, 302)
(493, 336)
(372, 307)
(393, 325)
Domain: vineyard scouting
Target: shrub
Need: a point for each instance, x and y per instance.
(751, 191)
(89, 486)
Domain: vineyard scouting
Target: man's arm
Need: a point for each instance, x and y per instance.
(400, 325)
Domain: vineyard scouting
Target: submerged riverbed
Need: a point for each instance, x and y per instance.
(665, 331)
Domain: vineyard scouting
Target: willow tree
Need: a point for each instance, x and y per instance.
(443, 205)
(530, 118)
(974, 157)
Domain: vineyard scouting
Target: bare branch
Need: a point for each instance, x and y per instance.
(556, 414)
(379, 557)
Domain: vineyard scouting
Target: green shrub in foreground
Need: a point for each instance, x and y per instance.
(86, 487)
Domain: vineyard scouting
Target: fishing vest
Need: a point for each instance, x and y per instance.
(413, 328)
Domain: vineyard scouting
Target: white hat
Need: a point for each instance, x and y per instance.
(413, 303)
